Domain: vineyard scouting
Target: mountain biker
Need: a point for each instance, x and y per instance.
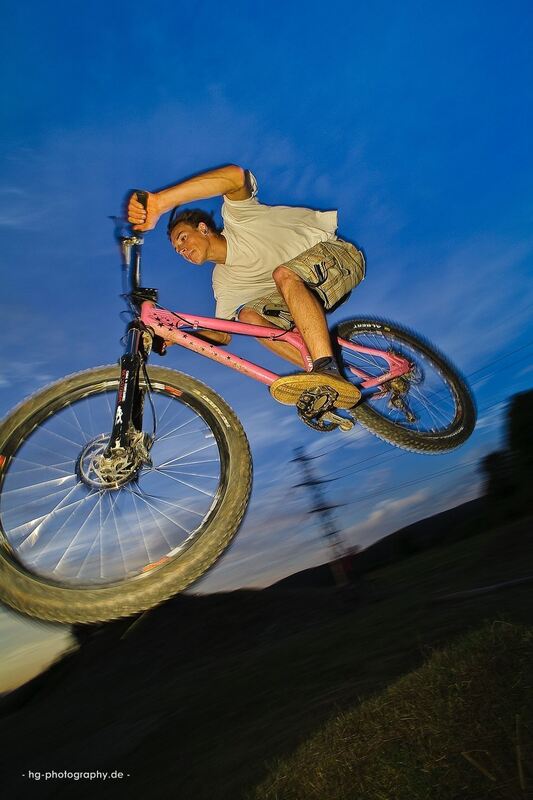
(276, 266)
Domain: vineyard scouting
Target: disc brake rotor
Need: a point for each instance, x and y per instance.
(111, 471)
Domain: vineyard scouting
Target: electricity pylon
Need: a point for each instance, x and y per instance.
(325, 510)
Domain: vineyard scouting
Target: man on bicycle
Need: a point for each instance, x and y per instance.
(275, 266)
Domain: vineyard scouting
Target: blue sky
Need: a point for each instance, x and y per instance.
(413, 119)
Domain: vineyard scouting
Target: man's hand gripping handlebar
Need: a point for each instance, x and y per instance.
(143, 210)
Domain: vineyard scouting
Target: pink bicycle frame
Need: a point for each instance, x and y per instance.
(170, 327)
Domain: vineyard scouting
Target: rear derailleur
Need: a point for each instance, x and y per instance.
(398, 388)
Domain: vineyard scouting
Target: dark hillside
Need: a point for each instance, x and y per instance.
(440, 529)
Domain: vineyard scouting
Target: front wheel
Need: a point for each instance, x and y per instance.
(74, 549)
(429, 409)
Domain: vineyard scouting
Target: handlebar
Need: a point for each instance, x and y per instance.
(132, 245)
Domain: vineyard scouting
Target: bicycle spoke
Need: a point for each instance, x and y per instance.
(200, 461)
(49, 483)
(163, 436)
(163, 414)
(117, 531)
(34, 466)
(169, 519)
(96, 543)
(186, 483)
(192, 474)
(177, 506)
(192, 452)
(84, 436)
(109, 406)
(40, 447)
(154, 507)
(40, 500)
(62, 438)
(61, 506)
(145, 540)
(155, 520)
(75, 538)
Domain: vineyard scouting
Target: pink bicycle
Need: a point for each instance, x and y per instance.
(120, 486)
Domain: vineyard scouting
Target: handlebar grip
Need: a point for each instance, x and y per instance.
(142, 197)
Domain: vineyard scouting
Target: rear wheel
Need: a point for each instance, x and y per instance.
(77, 547)
(429, 409)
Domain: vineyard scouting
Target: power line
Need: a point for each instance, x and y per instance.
(413, 482)
(496, 371)
(387, 457)
(390, 457)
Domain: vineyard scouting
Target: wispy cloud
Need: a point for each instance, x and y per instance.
(494, 417)
(476, 302)
(18, 209)
(388, 515)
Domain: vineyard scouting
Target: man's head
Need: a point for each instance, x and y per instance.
(191, 233)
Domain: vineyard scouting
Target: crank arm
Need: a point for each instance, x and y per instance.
(344, 423)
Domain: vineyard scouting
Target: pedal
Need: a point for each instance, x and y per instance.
(326, 421)
(316, 401)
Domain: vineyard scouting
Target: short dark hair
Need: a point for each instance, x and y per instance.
(192, 217)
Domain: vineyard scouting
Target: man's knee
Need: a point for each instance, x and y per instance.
(250, 316)
(283, 276)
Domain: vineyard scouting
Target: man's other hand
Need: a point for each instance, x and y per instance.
(143, 219)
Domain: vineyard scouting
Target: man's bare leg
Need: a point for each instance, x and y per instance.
(306, 311)
(283, 349)
(310, 319)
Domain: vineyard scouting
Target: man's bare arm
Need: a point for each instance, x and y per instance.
(230, 181)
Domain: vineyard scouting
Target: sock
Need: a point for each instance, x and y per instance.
(326, 364)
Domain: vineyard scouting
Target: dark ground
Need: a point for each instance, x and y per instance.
(197, 697)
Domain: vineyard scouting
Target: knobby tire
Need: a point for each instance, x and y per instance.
(379, 421)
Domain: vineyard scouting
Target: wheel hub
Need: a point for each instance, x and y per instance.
(107, 472)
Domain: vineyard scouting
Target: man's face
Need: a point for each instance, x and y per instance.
(191, 243)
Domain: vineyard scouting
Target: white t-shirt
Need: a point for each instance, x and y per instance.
(259, 239)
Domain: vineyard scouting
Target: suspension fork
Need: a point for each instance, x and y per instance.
(129, 406)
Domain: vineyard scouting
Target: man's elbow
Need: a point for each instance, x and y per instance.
(238, 176)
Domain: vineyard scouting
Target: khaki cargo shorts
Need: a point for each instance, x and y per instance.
(330, 269)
